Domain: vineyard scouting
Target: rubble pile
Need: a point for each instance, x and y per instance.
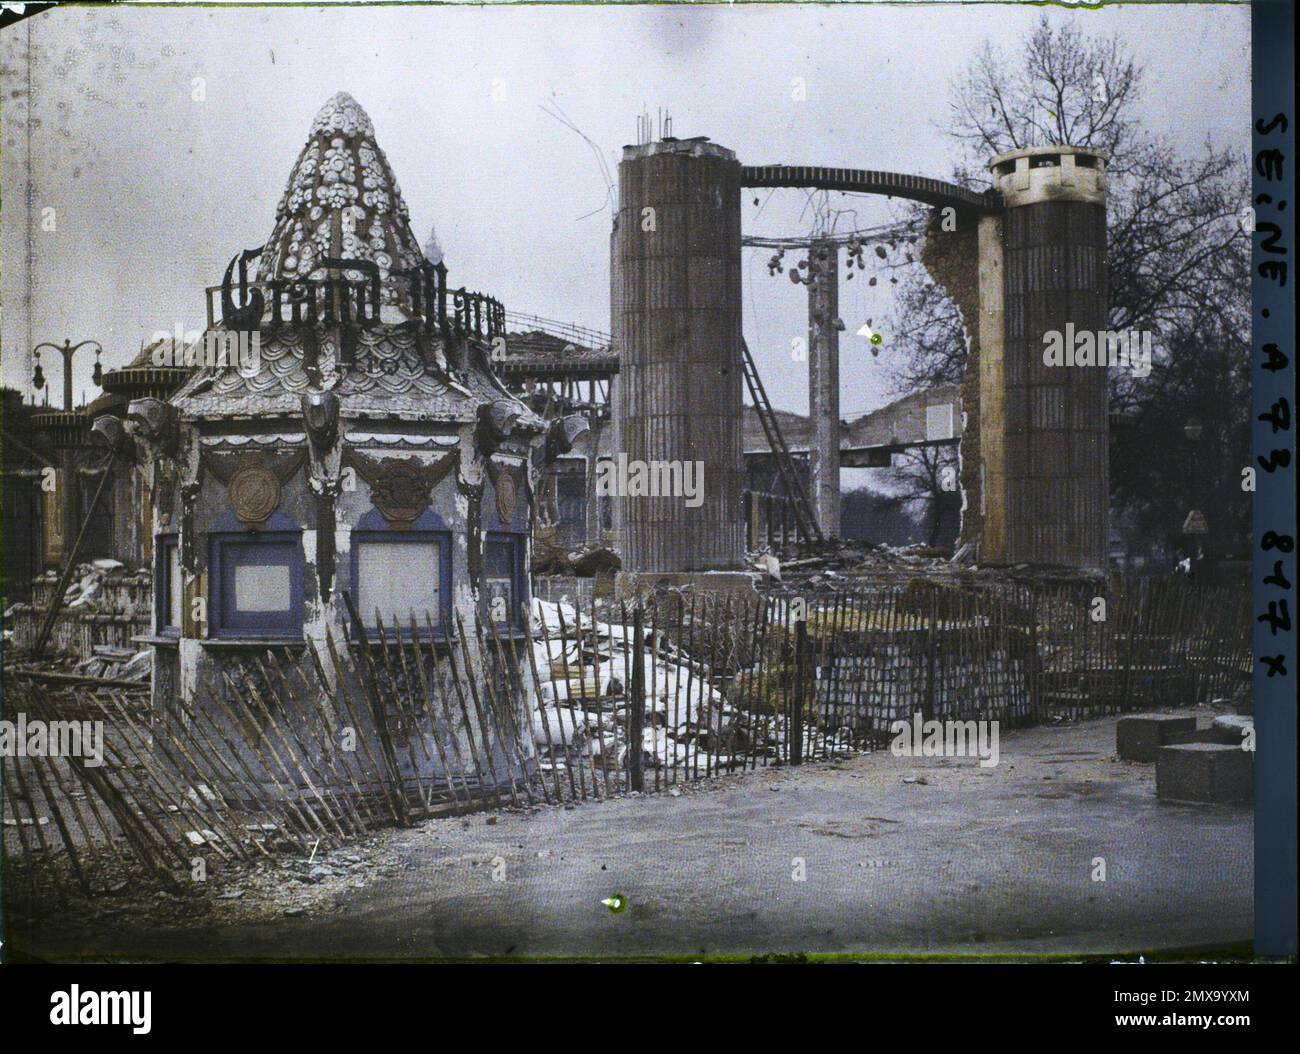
(117, 664)
(582, 715)
(105, 603)
(845, 564)
(587, 562)
(98, 587)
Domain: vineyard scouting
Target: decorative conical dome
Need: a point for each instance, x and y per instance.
(342, 201)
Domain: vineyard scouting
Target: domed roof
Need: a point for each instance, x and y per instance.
(342, 201)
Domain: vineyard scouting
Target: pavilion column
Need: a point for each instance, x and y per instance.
(824, 384)
(677, 324)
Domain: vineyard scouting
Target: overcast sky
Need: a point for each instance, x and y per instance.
(154, 192)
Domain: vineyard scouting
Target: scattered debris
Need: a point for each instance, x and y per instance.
(105, 605)
(117, 664)
(690, 725)
(591, 560)
(768, 564)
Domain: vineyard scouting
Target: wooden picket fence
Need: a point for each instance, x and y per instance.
(314, 746)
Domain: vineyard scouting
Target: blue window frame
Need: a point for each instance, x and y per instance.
(503, 588)
(398, 572)
(168, 586)
(257, 585)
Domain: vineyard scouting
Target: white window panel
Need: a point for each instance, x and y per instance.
(398, 578)
(262, 588)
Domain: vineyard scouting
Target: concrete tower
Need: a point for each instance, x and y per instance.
(824, 384)
(675, 277)
(1046, 486)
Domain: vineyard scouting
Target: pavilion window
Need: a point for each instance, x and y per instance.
(258, 585)
(168, 586)
(399, 574)
(502, 591)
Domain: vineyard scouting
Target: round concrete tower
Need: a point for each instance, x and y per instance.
(675, 280)
(1054, 484)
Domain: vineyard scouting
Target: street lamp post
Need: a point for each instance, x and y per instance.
(67, 350)
(1195, 524)
(67, 489)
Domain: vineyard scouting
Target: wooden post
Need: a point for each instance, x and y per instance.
(800, 671)
(368, 679)
(1035, 702)
(930, 642)
(636, 703)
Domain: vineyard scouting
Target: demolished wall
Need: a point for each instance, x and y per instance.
(952, 259)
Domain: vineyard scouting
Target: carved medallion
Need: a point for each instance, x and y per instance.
(400, 487)
(401, 492)
(254, 494)
(507, 496)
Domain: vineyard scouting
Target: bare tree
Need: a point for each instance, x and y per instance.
(1171, 221)
(1065, 88)
(928, 328)
(930, 477)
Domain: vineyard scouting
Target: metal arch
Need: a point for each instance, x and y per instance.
(935, 192)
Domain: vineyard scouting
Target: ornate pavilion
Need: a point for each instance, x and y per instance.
(365, 466)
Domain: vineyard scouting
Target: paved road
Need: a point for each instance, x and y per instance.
(971, 861)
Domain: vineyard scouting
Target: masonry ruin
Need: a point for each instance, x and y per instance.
(1020, 261)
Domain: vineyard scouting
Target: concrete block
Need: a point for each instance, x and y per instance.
(1198, 735)
(1138, 737)
(1205, 772)
(1232, 728)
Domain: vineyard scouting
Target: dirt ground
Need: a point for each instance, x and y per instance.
(874, 855)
